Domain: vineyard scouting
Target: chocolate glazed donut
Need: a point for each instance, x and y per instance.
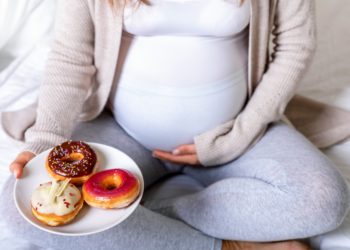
(72, 159)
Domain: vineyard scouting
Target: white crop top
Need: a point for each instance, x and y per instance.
(182, 69)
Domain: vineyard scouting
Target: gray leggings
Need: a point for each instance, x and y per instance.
(282, 188)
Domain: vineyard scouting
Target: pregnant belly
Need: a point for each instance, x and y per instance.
(169, 117)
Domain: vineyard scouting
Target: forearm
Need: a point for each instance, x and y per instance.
(58, 108)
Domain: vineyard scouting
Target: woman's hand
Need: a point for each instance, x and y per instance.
(184, 154)
(16, 167)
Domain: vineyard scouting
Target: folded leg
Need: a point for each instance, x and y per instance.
(282, 188)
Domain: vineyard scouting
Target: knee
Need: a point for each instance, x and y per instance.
(329, 202)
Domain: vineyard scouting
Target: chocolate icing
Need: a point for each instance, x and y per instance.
(60, 163)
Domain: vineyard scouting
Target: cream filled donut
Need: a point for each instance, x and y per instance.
(52, 210)
(113, 188)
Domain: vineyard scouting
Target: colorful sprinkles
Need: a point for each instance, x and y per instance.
(61, 163)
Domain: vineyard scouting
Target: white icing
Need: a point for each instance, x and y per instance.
(62, 205)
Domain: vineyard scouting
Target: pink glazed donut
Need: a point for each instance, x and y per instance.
(112, 188)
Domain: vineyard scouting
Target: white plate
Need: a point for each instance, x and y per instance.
(89, 220)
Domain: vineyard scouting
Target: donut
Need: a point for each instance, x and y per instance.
(112, 188)
(71, 159)
(60, 210)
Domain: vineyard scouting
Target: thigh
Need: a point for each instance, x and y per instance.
(105, 130)
(283, 157)
(170, 187)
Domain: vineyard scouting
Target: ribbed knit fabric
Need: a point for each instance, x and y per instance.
(81, 67)
(66, 82)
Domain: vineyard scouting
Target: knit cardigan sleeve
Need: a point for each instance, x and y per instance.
(294, 46)
(67, 78)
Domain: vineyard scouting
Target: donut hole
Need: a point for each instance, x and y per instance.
(111, 187)
(111, 183)
(74, 158)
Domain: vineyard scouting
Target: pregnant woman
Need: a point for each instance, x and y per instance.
(187, 88)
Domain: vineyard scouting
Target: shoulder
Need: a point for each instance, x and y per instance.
(84, 12)
(295, 6)
(78, 7)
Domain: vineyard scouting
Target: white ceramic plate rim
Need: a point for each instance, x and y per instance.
(132, 209)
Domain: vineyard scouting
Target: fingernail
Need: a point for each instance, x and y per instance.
(176, 152)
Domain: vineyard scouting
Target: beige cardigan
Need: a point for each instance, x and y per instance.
(81, 68)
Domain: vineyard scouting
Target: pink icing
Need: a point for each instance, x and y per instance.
(94, 185)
